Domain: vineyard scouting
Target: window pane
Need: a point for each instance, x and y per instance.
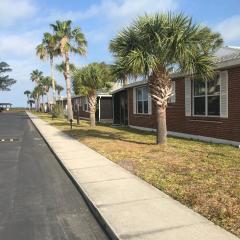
(214, 105)
(199, 87)
(140, 107)
(139, 94)
(214, 86)
(145, 94)
(199, 105)
(145, 106)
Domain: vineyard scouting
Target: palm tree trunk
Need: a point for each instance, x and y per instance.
(53, 81)
(68, 88)
(43, 108)
(92, 100)
(161, 126)
(48, 104)
(160, 88)
(37, 103)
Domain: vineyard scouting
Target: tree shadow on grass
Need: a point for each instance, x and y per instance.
(84, 133)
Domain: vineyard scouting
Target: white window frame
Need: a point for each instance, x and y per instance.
(172, 98)
(136, 102)
(206, 100)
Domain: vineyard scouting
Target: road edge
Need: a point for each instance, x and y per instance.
(104, 225)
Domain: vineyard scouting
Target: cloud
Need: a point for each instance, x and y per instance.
(13, 10)
(113, 15)
(20, 45)
(55, 14)
(129, 9)
(16, 45)
(229, 28)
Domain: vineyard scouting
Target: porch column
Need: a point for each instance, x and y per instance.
(99, 109)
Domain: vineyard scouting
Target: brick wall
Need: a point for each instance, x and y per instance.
(106, 109)
(224, 128)
(82, 113)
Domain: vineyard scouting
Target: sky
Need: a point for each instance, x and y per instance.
(23, 22)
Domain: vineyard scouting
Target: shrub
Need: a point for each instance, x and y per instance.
(57, 111)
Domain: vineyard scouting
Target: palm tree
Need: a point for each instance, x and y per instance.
(36, 77)
(27, 92)
(46, 83)
(88, 80)
(48, 50)
(36, 93)
(154, 44)
(59, 89)
(5, 80)
(31, 102)
(41, 91)
(62, 69)
(69, 40)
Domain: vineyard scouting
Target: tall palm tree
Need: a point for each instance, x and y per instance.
(28, 93)
(70, 40)
(88, 80)
(59, 89)
(48, 50)
(154, 44)
(36, 77)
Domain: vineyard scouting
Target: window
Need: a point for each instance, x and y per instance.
(142, 100)
(172, 99)
(206, 97)
(75, 102)
(85, 104)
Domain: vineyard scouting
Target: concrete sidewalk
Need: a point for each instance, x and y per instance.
(127, 207)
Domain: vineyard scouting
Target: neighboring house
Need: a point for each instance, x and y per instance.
(103, 108)
(205, 110)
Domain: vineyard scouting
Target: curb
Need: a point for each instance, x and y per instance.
(105, 226)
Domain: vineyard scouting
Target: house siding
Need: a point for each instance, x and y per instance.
(106, 108)
(214, 127)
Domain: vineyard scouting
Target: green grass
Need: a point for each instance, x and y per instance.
(203, 176)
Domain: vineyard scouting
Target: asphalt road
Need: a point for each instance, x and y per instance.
(37, 199)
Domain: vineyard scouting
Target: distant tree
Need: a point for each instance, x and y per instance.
(38, 92)
(48, 50)
(28, 93)
(36, 77)
(61, 67)
(70, 40)
(46, 83)
(88, 80)
(31, 102)
(5, 80)
(59, 89)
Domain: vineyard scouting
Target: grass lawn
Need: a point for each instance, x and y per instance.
(203, 176)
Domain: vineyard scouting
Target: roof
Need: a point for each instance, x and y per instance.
(99, 94)
(226, 57)
(227, 53)
(6, 104)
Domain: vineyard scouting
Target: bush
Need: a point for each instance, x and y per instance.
(57, 111)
